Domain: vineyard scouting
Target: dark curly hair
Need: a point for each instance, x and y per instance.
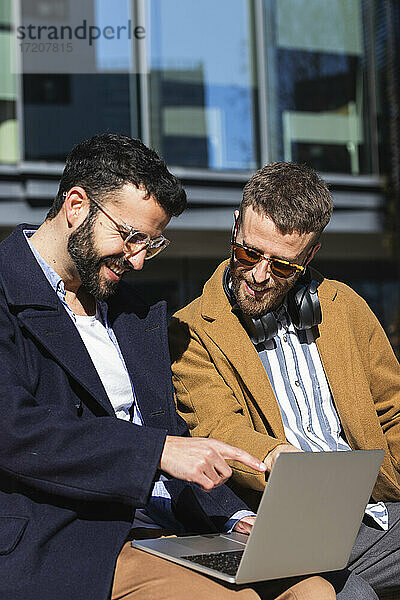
(107, 162)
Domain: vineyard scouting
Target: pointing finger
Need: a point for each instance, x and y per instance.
(233, 453)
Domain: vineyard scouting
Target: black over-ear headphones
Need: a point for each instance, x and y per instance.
(302, 304)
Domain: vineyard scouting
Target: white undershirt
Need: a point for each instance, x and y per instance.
(115, 379)
(107, 362)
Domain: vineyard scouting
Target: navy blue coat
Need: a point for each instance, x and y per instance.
(71, 473)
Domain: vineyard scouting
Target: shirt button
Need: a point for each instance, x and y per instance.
(297, 383)
(285, 338)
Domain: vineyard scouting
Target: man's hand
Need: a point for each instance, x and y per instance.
(202, 460)
(271, 458)
(245, 525)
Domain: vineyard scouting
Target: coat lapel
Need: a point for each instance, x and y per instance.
(142, 339)
(224, 328)
(39, 309)
(55, 331)
(336, 356)
(141, 332)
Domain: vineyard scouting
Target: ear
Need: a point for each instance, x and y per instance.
(313, 252)
(76, 206)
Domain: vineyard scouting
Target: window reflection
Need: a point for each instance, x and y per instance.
(201, 85)
(62, 108)
(316, 100)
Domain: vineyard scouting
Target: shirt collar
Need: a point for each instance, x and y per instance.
(54, 278)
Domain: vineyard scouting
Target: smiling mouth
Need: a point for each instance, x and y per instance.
(255, 290)
(115, 268)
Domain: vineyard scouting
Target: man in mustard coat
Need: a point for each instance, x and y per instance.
(274, 358)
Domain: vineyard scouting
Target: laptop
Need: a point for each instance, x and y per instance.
(307, 521)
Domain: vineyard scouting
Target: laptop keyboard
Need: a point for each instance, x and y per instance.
(226, 562)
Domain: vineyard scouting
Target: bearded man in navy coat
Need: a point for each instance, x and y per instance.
(91, 448)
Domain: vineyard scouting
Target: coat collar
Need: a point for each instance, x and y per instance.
(40, 311)
(138, 328)
(141, 331)
(23, 280)
(335, 346)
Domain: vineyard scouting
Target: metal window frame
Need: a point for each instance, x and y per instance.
(140, 75)
(19, 104)
(262, 80)
(367, 8)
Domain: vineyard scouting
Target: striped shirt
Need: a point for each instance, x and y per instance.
(311, 422)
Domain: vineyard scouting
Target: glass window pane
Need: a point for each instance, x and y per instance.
(202, 91)
(317, 84)
(62, 110)
(63, 107)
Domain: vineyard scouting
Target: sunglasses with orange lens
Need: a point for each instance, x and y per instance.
(279, 267)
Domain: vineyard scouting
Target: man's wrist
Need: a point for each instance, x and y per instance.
(278, 443)
(238, 516)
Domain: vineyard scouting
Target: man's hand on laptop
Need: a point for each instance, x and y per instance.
(245, 525)
(272, 456)
(203, 460)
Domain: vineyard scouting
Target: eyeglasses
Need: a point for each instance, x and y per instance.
(279, 267)
(134, 240)
(250, 258)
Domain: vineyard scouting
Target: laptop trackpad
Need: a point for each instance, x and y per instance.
(201, 544)
(198, 544)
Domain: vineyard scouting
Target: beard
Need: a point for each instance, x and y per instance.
(88, 261)
(252, 306)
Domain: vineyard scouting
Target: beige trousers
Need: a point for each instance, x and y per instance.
(141, 576)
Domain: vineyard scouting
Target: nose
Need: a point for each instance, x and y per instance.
(136, 260)
(261, 272)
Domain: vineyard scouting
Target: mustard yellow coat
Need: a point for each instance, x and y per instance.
(223, 391)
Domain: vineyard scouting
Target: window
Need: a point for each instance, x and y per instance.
(94, 89)
(317, 85)
(202, 90)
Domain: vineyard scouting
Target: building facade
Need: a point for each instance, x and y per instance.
(218, 89)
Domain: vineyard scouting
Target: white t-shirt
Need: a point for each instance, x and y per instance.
(107, 362)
